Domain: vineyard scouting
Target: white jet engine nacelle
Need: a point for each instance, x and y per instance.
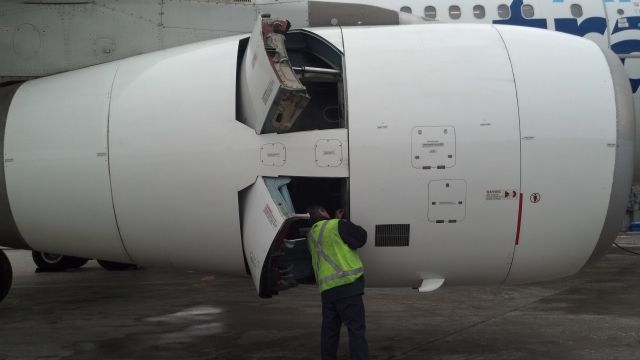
(469, 153)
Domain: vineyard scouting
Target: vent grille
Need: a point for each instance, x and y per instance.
(392, 235)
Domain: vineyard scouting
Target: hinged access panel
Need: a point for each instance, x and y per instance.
(266, 216)
(271, 96)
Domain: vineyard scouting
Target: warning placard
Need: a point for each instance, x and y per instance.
(501, 194)
(494, 195)
(535, 198)
(270, 217)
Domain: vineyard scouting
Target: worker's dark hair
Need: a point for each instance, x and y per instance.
(315, 213)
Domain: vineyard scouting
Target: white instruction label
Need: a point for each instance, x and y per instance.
(270, 217)
(501, 194)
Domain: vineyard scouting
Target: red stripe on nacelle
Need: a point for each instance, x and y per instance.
(519, 221)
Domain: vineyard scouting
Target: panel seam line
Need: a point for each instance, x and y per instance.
(519, 220)
(113, 204)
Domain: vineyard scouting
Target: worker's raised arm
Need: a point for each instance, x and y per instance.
(353, 235)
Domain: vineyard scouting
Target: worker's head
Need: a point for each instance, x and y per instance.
(317, 213)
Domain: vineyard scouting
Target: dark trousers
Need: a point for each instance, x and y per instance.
(350, 312)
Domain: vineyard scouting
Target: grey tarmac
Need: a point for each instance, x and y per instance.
(91, 313)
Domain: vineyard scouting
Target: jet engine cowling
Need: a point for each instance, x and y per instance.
(470, 153)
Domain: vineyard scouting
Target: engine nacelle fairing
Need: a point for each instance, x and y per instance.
(471, 153)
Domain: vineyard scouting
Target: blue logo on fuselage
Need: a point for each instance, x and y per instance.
(592, 25)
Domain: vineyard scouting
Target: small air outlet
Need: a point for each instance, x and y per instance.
(392, 235)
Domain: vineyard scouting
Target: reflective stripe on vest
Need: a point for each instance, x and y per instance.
(339, 272)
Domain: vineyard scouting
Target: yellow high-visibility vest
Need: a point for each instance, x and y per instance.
(334, 262)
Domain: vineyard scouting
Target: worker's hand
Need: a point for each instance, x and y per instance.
(339, 214)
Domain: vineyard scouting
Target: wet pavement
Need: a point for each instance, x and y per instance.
(91, 313)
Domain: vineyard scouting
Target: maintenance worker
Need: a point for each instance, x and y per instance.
(340, 276)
